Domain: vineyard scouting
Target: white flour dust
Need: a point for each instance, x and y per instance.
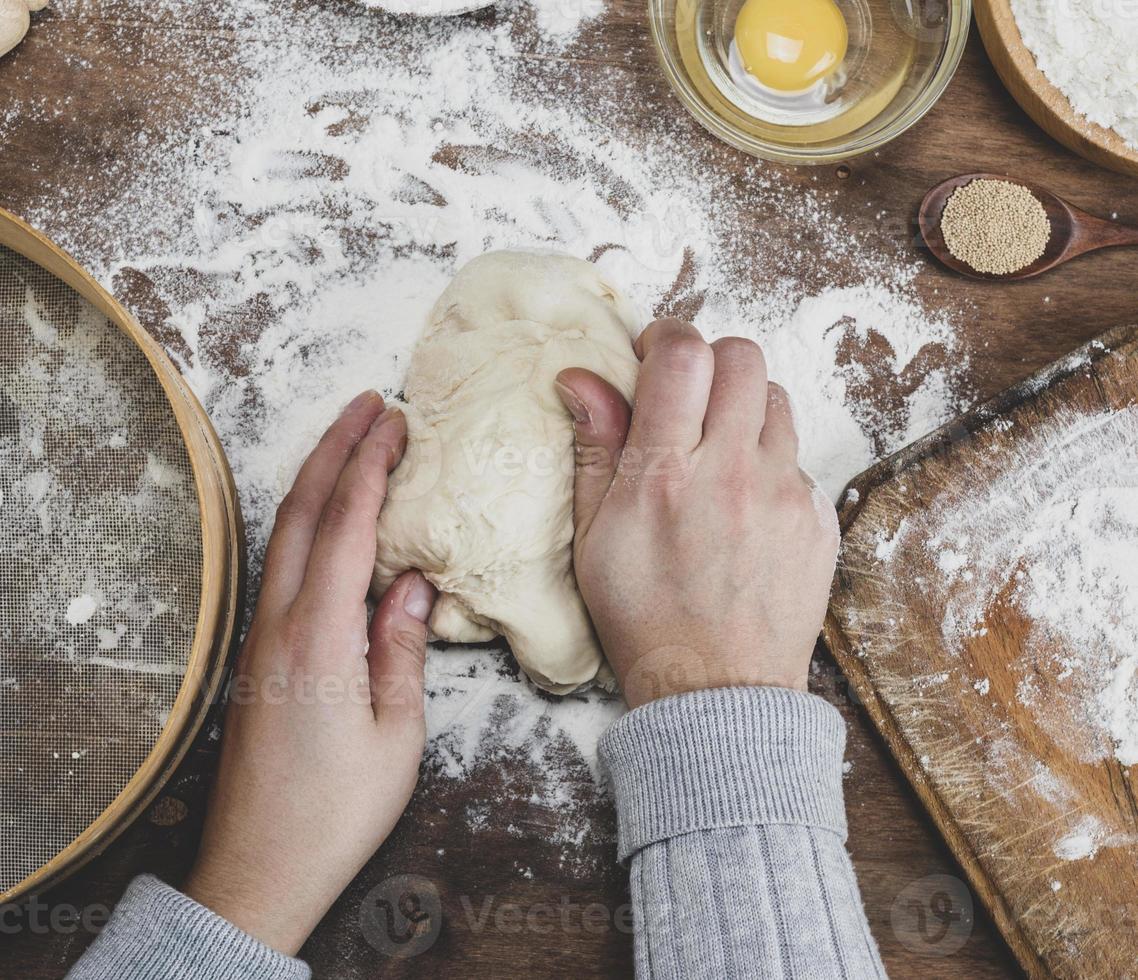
(557, 20)
(81, 609)
(1055, 538)
(427, 8)
(1081, 843)
(286, 239)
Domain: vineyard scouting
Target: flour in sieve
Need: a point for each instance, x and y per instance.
(100, 564)
(95, 483)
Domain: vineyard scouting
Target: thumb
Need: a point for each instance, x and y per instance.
(601, 418)
(397, 649)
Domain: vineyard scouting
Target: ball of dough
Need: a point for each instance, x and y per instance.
(14, 23)
(15, 19)
(482, 502)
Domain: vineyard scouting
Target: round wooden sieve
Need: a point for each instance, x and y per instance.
(120, 564)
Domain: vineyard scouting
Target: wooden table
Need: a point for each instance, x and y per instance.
(576, 916)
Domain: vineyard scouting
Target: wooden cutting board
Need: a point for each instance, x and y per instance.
(985, 608)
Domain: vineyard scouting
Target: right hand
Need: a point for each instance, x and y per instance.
(705, 555)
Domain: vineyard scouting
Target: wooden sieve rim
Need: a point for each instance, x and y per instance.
(222, 574)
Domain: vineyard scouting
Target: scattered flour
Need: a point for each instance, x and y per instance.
(1082, 842)
(1057, 538)
(286, 239)
(887, 545)
(81, 609)
(1088, 49)
(556, 19)
(1049, 787)
(427, 8)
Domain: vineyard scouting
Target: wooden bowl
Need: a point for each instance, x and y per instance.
(220, 600)
(1042, 101)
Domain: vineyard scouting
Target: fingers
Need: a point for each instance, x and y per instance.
(342, 560)
(299, 514)
(779, 436)
(601, 418)
(738, 403)
(674, 386)
(398, 648)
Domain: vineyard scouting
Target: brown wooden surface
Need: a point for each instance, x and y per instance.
(115, 88)
(886, 629)
(1049, 107)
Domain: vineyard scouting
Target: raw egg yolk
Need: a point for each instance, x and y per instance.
(789, 45)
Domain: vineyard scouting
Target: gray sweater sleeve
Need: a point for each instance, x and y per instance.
(730, 810)
(729, 806)
(158, 933)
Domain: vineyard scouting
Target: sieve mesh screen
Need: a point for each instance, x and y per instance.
(100, 564)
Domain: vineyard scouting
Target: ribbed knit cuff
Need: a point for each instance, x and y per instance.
(157, 933)
(733, 757)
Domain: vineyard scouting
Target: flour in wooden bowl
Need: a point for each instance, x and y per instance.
(1088, 50)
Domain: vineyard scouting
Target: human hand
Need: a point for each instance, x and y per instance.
(325, 729)
(704, 554)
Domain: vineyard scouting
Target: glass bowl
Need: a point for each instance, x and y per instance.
(902, 55)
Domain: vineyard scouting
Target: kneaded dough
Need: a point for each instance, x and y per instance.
(482, 502)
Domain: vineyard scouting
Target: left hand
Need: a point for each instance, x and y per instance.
(325, 729)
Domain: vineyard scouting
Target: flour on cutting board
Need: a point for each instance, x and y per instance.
(1063, 529)
(311, 216)
(1055, 538)
(1082, 842)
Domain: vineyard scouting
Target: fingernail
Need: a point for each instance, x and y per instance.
(389, 416)
(420, 599)
(363, 398)
(577, 408)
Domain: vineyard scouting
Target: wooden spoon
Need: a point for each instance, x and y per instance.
(1073, 232)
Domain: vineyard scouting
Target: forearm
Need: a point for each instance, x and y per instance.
(730, 811)
(159, 932)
